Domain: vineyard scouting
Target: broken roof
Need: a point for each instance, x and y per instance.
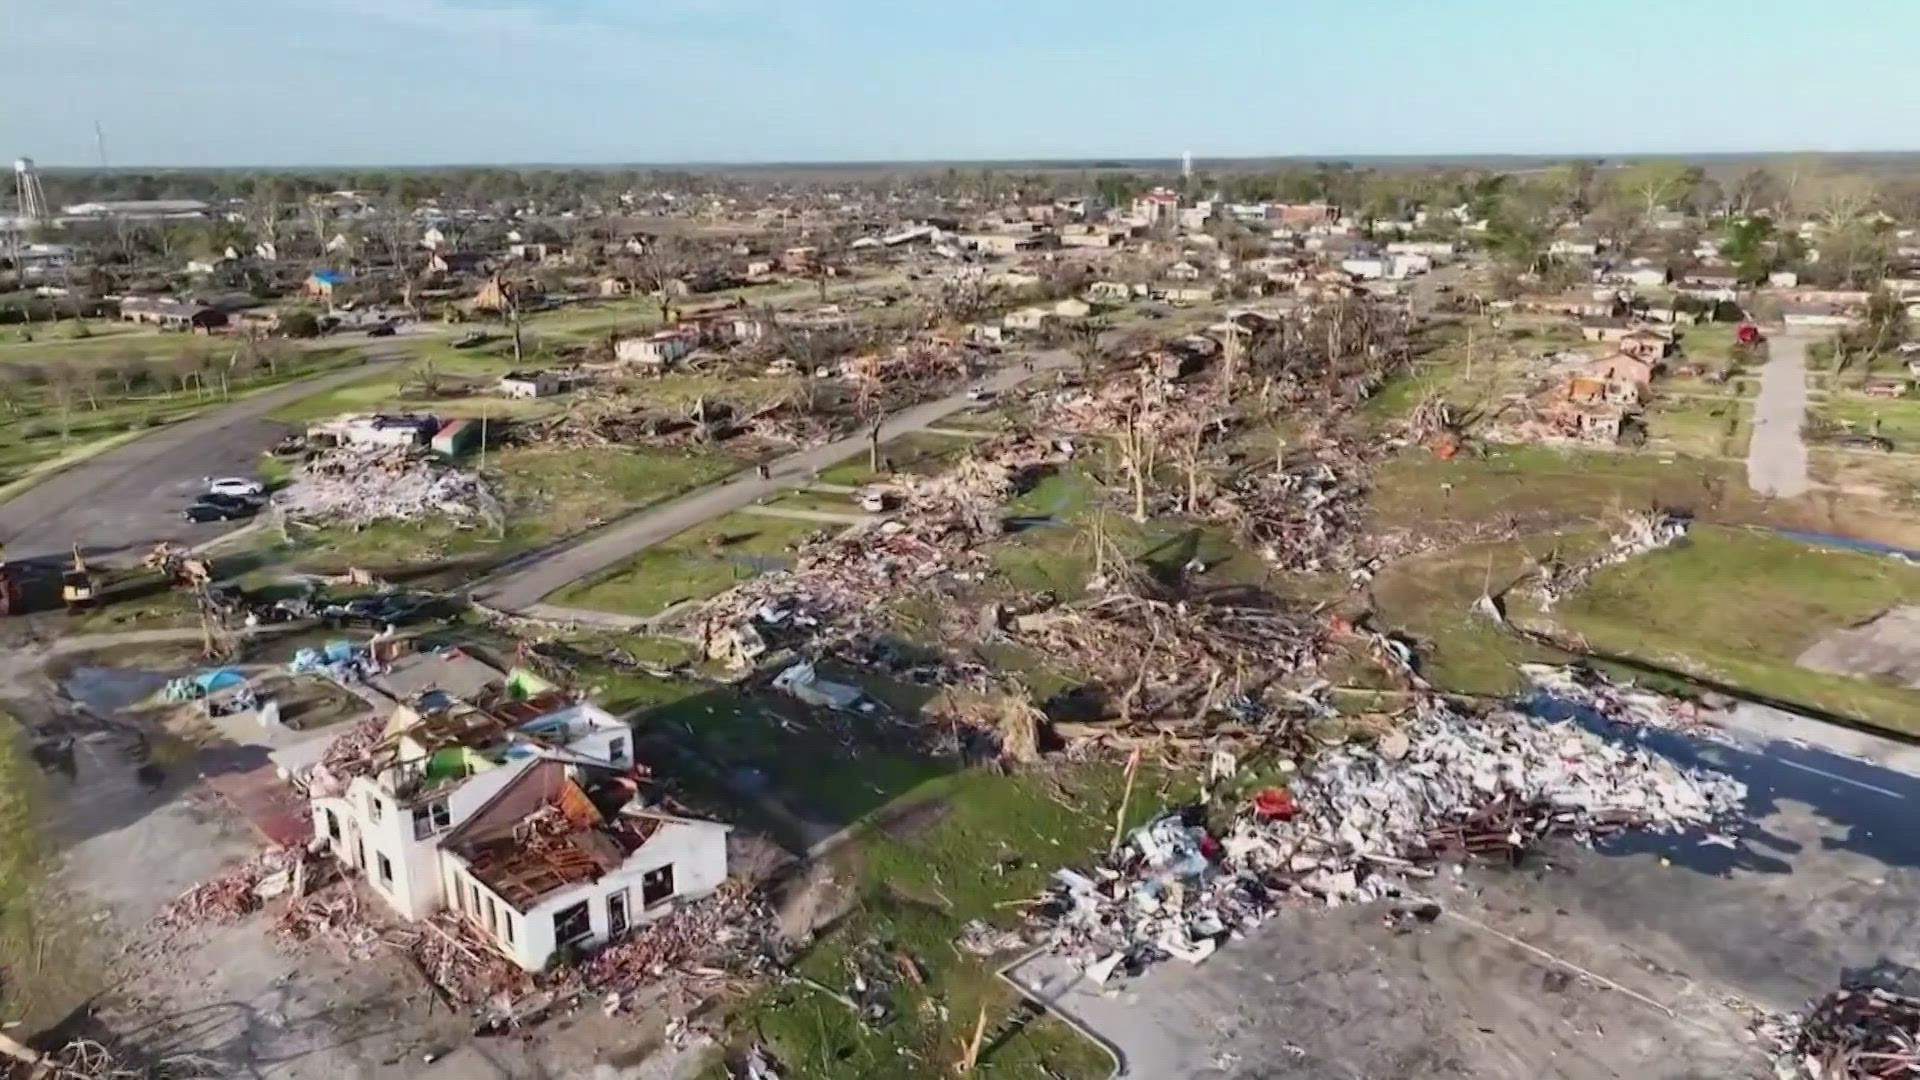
(553, 827)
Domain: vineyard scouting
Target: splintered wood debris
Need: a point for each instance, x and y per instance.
(1857, 1032)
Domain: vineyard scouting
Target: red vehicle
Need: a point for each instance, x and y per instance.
(1747, 334)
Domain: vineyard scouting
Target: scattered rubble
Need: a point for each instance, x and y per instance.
(358, 486)
(1642, 534)
(1179, 661)
(233, 895)
(838, 582)
(1363, 822)
(84, 1059)
(1858, 1032)
(1585, 688)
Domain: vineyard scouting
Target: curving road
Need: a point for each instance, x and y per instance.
(122, 502)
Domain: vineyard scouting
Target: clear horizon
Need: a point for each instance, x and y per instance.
(730, 83)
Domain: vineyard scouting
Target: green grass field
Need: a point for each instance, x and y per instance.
(703, 561)
(1545, 488)
(968, 846)
(1741, 605)
(24, 865)
(36, 437)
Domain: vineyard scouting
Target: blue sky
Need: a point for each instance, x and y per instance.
(228, 82)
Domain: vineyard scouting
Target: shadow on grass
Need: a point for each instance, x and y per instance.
(804, 773)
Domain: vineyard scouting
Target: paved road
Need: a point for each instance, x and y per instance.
(122, 502)
(1776, 455)
(1824, 880)
(523, 587)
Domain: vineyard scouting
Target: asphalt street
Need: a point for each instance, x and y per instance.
(1777, 453)
(1639, 959)
(122, 502)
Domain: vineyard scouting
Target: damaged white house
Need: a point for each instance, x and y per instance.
(525, 816)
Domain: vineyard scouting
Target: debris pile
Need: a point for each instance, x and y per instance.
(1643, 534)
(351, 753)
(233, 895)
(84, 1059)
(1161, 655)
(358, 486)
(838, 581)
(729, 931)
(1304, 515)
(1858, 1032)
(1563, 689)
(1364, 820)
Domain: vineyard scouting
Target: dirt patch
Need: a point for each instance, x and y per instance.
(817, 897)
(1885, 648)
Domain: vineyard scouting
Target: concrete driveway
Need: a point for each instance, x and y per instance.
(521, 589)
(1776, 454)
(122, 502)
(1676, 935)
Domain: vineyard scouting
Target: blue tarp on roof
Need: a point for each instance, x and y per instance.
(330, 277)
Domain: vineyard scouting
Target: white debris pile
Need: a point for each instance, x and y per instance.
(1364, 821)
(1642, 535)
(1444, 784)
(1583, 688)
(361, 485)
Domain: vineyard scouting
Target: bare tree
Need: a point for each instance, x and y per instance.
(1137, 451)
(63, 393)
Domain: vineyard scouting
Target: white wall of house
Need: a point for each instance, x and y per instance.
(412, 886)
(697, 851)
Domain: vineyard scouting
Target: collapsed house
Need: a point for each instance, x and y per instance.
(522, 815)
(357, 485)
(1598, 401)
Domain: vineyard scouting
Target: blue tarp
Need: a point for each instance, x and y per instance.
(218, 679)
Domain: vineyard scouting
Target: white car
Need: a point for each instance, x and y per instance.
(236, 486)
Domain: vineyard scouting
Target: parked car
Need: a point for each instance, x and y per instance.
(228, 502)
(235, 485)
(383, 609)
(202, 513)
(471, 339)
(385, 329)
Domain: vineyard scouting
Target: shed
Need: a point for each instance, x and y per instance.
(458, 438)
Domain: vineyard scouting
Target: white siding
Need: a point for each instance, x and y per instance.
(697, 851)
